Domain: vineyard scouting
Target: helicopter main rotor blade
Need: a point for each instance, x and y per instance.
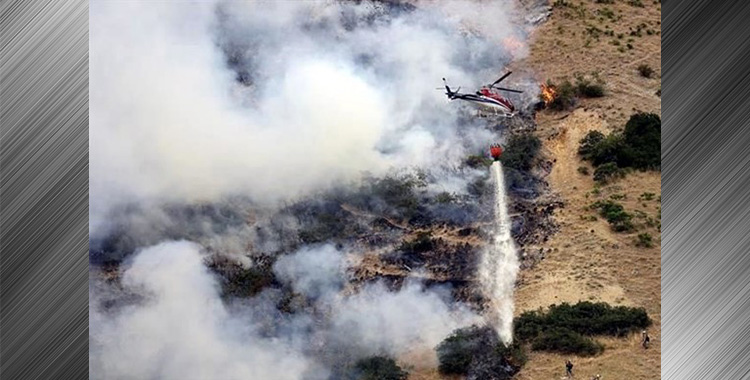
(501, 78)
(509, 90)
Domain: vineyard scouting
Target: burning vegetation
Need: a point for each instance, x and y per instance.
(565, 94)
(341, 279)
(548, 94)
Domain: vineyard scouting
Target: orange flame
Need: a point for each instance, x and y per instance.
(549, 93)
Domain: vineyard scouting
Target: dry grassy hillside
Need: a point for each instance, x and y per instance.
(586, 260)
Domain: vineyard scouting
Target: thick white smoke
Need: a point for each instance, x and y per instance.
(197, 102)
(181, 329)
(336, 89)
(396, 322)
(314, 272)
(373, 317)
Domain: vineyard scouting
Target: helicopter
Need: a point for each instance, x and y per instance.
(487, 98)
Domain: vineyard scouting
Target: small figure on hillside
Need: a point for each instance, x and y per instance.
(569, 368)
(646, 340)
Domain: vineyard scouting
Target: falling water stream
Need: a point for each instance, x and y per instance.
(499, 265)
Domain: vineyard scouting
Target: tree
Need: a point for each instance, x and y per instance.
(643, 135)
(378, 368)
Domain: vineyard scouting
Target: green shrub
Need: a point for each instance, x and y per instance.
(514, 354)
(589, 144)
(583, 170)
(645, 70)
(647, 196)
(477, 353)
(422, 243)
(456, 351)
(645, 240)
(608, 13)
(377, 368)
(643, 136)
(605, 172)
(593, 31)
(639, 146)
(588, 89)
(566, 96)
(636, 3)
(520, 151)
(566, 341)
(240, 282)
(619, 220)
(584, 318)
(392, 194)
(611, 149)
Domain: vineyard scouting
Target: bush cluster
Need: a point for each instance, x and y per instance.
(639, 147)
(567, 328)
(584, 87)
(646, 196)
(645, 240)
(587, 88)
(618, 219)
(477, 352)
(377, 368)
(645, 70)
(566, 96)
(604, 173)
(566, 341)
(520, 151)
(643, 139)
(241, 282)
(394, 195)
(589, 144)
(422, 243)
(326, 220)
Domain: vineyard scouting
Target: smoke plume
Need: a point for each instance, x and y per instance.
(274, 100)
(209, 118)
(181, 329)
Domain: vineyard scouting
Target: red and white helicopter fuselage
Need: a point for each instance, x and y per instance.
(491, 101)
(486, 99)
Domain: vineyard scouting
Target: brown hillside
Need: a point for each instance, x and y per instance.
(586, 260)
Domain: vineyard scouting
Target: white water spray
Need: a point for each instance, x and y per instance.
(499, 266)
